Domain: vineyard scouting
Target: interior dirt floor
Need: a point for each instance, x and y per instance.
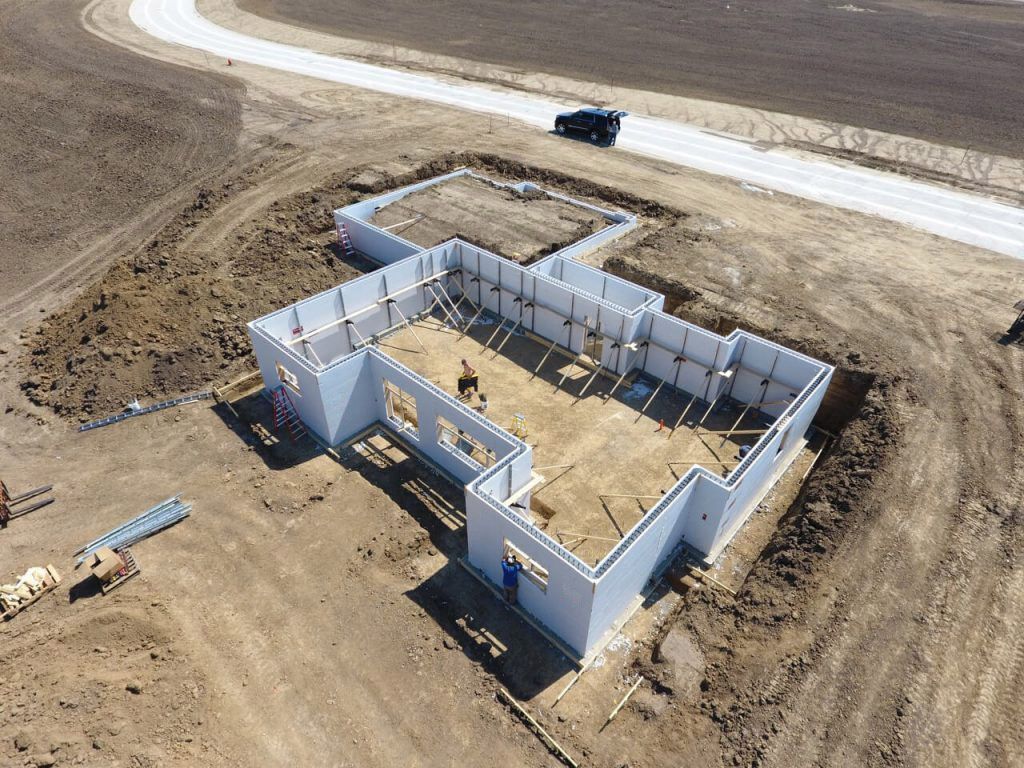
(598, 448)
(951, 67)
(309, 611)
(520, 227)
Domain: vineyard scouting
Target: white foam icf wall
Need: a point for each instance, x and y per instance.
(387, 248)
(339, 392)
(565, 607)
(433, 403)
(557, 310)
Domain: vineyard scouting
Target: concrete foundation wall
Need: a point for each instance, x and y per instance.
(504, 288)
(749, 483)
(307, 401)
(629, 574)
(339, 392)
(565, 607)
(348, 397)
(368, 239)
(431, 403)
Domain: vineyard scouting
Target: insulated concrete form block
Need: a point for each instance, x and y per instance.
(305, 389)
(368, 239)
(387, 248)
(348, 398)
(707, 500)
(328, 346)
(578, 276)
(579, 603)
(432, 403)
(748, 483)
(619, 585)
(621, 293)
(564, 607)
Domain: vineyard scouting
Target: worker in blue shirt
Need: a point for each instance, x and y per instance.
(510, 568)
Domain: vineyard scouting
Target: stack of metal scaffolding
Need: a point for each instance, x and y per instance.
(153, 520)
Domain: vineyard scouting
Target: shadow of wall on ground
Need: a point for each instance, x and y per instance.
(477, 622)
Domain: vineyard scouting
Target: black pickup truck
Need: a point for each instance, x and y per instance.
(595, 123)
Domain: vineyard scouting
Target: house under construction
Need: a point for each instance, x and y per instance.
(614, 433)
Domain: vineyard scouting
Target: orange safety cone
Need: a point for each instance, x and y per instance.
(661, 425)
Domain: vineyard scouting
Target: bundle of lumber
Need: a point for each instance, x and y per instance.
(31, 586)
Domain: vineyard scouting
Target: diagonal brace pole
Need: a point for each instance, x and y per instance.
(583, 348)
(523, 308)
(682, 416)
(567, 323)
(408, 325)
(437, 300)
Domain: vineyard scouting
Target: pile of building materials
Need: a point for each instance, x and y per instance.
(113, 568)
(32, 585)
(153, 520)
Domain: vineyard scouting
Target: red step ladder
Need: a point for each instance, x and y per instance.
(346, 241)
(285, 415)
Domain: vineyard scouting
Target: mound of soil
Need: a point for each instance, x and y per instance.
(134, 699)
(171, 318)
(780, 589)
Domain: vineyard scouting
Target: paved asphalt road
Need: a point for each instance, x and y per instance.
(946, 212)
(948, 71)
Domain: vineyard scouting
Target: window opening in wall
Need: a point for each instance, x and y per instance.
(288, 378)
(401, 409)
(461, 441)
(535, 573)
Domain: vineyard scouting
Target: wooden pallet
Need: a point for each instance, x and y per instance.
(48, 587)
(131, 568)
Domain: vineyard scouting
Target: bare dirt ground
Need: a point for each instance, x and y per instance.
(935, 69)
(982, 171)
(90, 143)
(311, 612)
(521, 227)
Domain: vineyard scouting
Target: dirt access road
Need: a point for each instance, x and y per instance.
(311, 613)
(944, 71)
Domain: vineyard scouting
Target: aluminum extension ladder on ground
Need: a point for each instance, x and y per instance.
(142, 411)
(285, 415)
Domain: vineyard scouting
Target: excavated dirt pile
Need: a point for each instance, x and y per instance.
(171, 318)
(780, 588)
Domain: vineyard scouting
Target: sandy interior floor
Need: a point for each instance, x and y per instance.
(521, 227)
(593, 450)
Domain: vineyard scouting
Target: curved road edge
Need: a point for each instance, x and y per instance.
(949, 213)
